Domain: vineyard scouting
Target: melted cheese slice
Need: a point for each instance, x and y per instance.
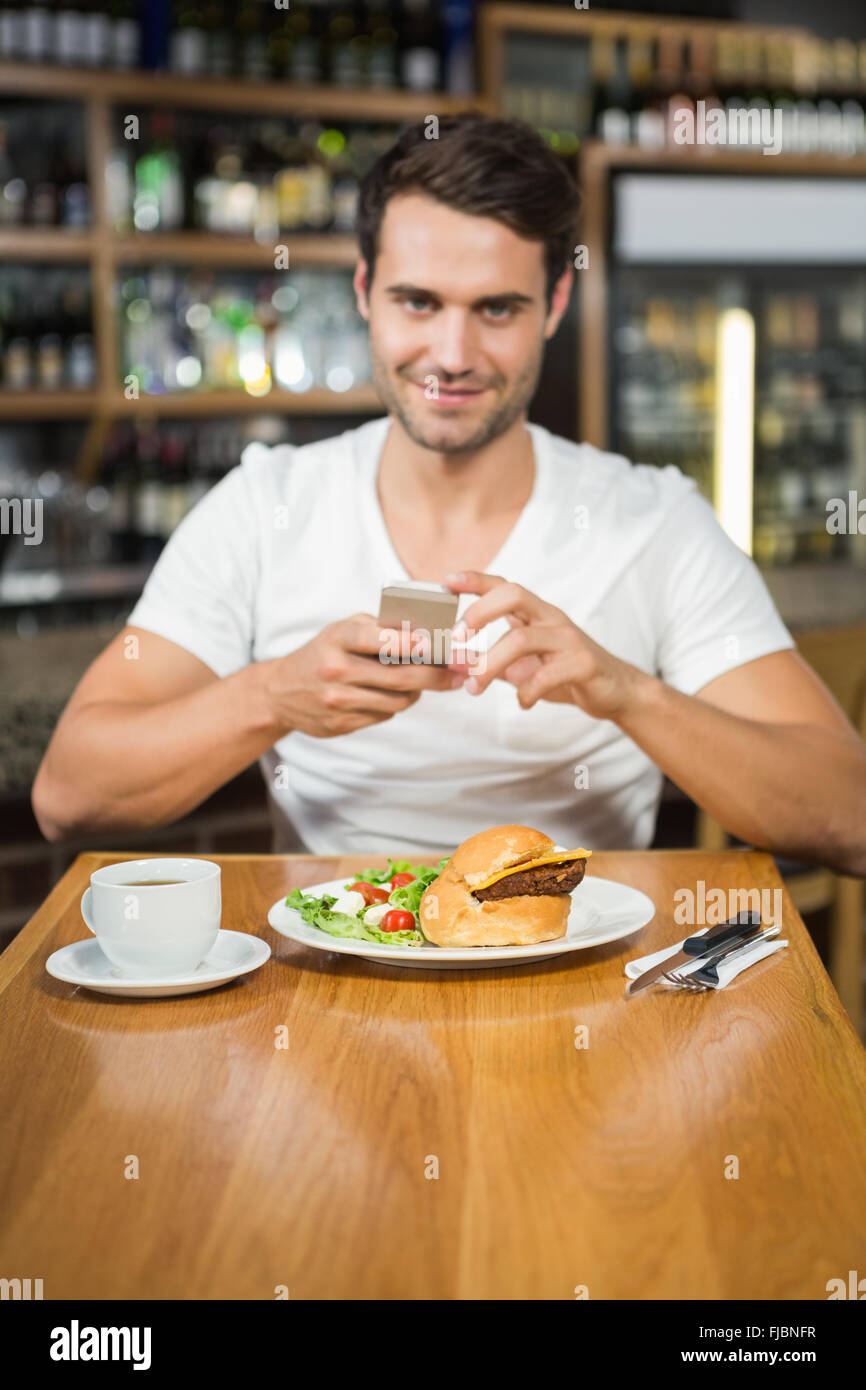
(552, 858)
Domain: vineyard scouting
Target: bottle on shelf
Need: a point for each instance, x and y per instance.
(11, 35)
(305, 46)
(222, 332)
(347, 48)
(97, 34)
(125, 37)
(459, 46)
(187, 51)
(383, 71)
(218, 56)
(35, 31)
(159, 186)
(613, 112)
(279, 46)
(420, 59)
(252, 45)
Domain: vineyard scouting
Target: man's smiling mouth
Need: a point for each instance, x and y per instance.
(450, 395)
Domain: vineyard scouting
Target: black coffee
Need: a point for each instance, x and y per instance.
(148, 882)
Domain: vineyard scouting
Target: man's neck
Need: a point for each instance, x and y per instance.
(462, 488)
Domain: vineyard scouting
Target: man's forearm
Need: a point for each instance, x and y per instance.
(793, 789)
(115, 765)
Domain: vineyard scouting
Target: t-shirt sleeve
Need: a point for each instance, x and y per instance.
(714, 610)
(201, 591)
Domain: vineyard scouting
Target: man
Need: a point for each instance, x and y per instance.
(625, 634)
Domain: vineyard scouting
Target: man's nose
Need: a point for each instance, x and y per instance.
(452, 345)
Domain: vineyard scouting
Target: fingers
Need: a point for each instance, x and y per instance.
(359, 633)
(395, 676)
(364, 635)
(520, 643)
(365, 699)
(560, 671)
(499, 599)
(472, 582)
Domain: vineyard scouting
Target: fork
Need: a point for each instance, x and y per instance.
(696, 980)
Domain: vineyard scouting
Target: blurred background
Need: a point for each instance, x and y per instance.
(152, 155)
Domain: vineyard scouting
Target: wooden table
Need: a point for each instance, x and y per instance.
(558, 1167)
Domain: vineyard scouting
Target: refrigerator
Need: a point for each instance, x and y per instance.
(736, 349)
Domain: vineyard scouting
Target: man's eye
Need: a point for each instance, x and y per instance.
(499, 312)
(415, 303)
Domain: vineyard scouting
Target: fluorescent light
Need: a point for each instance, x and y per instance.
(735, 412)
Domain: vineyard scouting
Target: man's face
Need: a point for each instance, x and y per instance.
(458, 318)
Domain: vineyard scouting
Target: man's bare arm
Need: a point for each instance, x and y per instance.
(767, 751)
(144, 741)
(765, 748)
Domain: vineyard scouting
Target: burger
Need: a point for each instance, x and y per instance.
(507, 886)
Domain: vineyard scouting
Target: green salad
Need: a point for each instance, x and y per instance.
(397, 889)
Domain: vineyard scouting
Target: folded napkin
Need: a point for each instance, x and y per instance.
(727, 969)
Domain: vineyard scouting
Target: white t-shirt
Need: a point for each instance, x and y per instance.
(294, 538)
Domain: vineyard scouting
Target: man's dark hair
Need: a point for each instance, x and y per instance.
(484, 166)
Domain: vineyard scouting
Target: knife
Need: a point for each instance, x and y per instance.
(741, 928)
(707, 972)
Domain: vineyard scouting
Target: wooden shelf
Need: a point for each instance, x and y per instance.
(558, 22)
(596, 155)
(73, 405)
(210, 248)
(45, 244)
(360, 400)
(47, 405)
(218, 94)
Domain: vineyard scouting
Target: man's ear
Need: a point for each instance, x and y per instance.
(360, 281)
(559, 301)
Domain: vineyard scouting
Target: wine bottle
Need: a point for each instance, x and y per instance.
(71, 34)
(459, 31)
(304, 59)
(35, 32)
(252, 57)
(187, 51)
(125, 39)
(420, 64)
(11, 30)
(613, 112)
(344, 47)
(384, 67)
(97, 35)
(159, 193)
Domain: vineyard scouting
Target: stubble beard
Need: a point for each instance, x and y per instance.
(444, 437)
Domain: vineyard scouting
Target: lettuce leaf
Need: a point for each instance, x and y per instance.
(318, 912)
(374, 876)
(409, 896)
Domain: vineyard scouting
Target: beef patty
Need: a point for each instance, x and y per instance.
(544, 878)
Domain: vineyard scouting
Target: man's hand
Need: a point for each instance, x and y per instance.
(544, 655)
(338, 682)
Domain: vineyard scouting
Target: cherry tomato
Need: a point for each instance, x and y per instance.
(397, 920)
(399, 880)
(369, 893)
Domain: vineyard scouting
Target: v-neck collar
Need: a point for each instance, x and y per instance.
(525, 523)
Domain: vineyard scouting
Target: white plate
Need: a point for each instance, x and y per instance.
(84, 963)
(601, 910)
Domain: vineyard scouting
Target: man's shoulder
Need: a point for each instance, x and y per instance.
(263, 463)
(614, 476)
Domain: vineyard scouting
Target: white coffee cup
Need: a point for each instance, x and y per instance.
(150, 927)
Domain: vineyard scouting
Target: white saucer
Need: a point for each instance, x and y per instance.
(84, 963)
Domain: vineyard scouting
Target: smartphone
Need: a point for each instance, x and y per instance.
(430, 608)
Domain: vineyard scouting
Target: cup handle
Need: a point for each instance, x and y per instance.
(85, 909)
